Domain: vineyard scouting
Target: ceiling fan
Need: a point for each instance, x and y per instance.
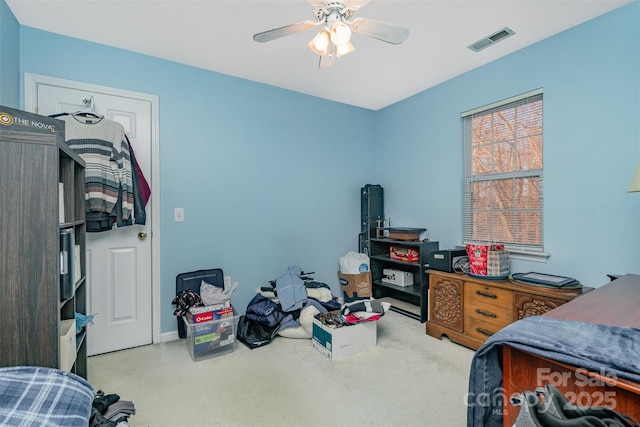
(333, 39)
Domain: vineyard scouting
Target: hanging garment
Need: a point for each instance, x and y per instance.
(144, 188)
(141, 191)
(141, 194)
(103, 145)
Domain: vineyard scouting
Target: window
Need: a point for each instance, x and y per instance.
(503, 165)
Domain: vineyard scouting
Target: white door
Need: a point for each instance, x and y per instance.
(119, 271)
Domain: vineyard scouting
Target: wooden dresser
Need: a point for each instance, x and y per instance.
(614, 304)
(470, 310)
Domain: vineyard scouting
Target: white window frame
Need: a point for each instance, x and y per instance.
(519, 251)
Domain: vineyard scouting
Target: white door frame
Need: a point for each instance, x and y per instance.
(31, 82)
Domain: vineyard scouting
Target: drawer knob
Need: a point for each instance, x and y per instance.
(484, 331)
(486, 294)
(486, 313)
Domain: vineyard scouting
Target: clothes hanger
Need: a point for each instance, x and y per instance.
(85, 113)
(88, 113)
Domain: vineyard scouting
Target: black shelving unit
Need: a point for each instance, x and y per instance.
(416, 294)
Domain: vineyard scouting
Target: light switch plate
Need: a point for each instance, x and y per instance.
(178, 214)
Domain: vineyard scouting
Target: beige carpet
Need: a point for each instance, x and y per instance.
(408, 379)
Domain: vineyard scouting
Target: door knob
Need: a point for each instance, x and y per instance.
(142, 235)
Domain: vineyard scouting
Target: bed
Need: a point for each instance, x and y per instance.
(38, 396)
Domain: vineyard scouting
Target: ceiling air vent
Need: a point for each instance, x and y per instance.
(492, 39)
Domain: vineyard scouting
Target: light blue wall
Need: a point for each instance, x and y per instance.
(591, 80)
(267, 182)
(267, 177)
(9, 58)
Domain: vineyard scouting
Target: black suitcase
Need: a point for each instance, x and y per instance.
(191, 281)
(371, 210)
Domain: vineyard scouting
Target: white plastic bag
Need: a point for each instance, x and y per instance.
(354, 263)
(212, 295)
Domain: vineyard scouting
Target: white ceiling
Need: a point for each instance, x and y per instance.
(217, 35)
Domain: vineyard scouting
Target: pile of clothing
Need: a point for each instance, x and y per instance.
(351, 313)
(286, 307)
(364, 310)
(109, 411)
(210, 296)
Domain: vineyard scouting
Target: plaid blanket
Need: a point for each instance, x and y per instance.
(36, 396)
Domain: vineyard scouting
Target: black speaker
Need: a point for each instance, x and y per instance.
(371, 210)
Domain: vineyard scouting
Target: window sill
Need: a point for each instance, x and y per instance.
(523, 255)
(528, 256)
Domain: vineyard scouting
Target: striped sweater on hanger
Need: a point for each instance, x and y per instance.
(103, 146)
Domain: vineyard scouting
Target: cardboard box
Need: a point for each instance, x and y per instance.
(397, 277)
(204, 308)
(355, 286)
(336, 344)
(404, 254)
(212, 312)
(67, 344)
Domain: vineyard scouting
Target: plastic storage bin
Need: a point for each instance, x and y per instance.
(192, 281)
(213, 338)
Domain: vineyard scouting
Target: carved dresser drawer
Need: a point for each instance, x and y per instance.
(487, 309)
(485, 294)
(479, 328)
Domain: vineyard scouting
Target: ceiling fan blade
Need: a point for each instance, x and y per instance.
(355, 4)
(287, 30)
(329, 59)
(317, 3)
(380, 30)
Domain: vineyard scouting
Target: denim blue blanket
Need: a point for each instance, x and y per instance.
(613, 351)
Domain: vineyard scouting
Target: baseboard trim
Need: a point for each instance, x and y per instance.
(169, 336)
(403, 307)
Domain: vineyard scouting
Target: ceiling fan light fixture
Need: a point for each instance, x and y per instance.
(336, 27)
(340, 33)
(343, 49)
(320, 43)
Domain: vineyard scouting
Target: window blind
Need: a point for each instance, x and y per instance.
(503, 173)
